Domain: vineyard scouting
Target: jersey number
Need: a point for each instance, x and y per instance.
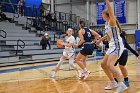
(89, 35)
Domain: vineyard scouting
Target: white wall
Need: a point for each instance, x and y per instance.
(61, 1)
(131, 8)
(63, 6)
(80, 10)
(93, 13)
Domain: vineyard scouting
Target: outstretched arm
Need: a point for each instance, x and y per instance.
(100, 40)
(131, 49)
(111, 14)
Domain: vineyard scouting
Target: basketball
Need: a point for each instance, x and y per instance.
(59, 43)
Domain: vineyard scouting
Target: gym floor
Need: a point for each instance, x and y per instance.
(35, 78)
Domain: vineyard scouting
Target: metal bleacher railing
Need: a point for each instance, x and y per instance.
(3, 35)
(18, 45)
(25, 45)
(62, 22)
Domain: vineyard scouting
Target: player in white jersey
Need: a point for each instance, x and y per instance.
(116, 46)
(68, 53)
(115, 50)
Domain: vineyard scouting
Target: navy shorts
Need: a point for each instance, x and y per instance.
(123, 58)
(87, 49)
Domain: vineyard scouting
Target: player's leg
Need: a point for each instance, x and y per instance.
(71, 62)
(85, 73)
(122, 64)
(78, 61)
(58, 65)
(105, 67)
(110, 62)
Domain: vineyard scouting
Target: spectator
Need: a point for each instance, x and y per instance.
(21, 4)
(49, 16)
(45, 41)
(53, 18)
(4, 17)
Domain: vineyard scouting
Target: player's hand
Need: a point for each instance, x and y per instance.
(138, 58)
(79, 46)
(75, 44)
(98, 42)
(62, 43)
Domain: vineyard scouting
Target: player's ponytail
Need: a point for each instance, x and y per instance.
(82, 24)
(119, 26)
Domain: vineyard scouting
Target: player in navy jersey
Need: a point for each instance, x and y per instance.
(123, 59)
(85, 35)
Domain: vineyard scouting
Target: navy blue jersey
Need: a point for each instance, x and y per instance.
(87, 35)
(126, 45)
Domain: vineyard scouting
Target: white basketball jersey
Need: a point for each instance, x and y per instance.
(114, 35)
(68, 40)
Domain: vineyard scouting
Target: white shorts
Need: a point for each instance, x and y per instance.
(115, 51)
(69, 54)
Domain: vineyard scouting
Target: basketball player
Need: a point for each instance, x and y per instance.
(68, 53)
(123, 59)
(85, 35)
(115, 50)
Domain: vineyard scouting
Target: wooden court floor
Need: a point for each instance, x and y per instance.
(35, 78)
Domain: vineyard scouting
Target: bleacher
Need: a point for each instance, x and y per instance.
(22, 46)
(31, 51)
(20, 41)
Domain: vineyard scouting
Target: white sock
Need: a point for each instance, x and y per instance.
(121, 84)
(53, 73)
(78, 71)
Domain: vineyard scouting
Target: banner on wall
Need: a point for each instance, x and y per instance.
(120, 10)
(99, 9)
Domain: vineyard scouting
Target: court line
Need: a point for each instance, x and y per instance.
(36, 67)
(40, 66)
(27, 68)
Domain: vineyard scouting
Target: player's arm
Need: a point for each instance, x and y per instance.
(97, 36)
(111, 14)
(63, 35)
(100, 40)
(81, 37)
(68, 45)
(131, 49)
(71, 43)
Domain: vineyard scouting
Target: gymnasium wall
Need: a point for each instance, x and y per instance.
(63, 6)
(80, 10)
(131, 7)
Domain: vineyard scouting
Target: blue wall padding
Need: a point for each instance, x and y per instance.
(137, 37)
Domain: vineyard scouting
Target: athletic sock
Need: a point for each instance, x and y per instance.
(126, 79)
(53, 73)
